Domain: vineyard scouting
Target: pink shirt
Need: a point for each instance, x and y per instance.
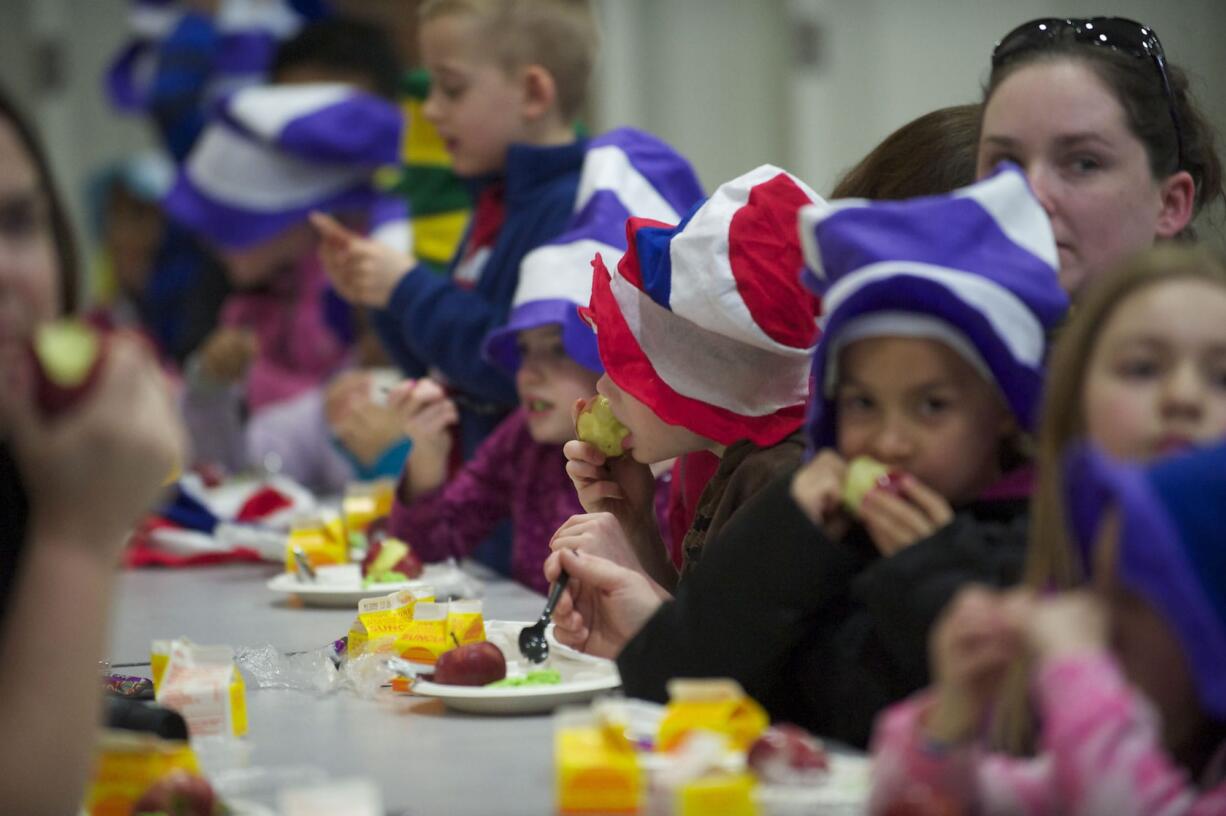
(1102, 754)
(297, 348)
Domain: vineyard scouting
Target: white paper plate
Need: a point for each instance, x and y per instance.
(582, 679)
(348, 592)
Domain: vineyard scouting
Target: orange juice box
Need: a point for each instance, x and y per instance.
(425, 637)
(321, 538)
(203, 685)
(464, 622)
(128, 763)
(716, 705)
(596, 768)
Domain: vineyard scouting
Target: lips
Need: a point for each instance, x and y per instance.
(534, 405)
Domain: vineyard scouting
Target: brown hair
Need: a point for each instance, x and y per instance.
(61, 231)
(927, 156)
(558, 35)
(1137, 86)
(1050, 559)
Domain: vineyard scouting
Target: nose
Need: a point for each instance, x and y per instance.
(430, 108)
(893, 444)
(1183, 393)
(1043, 184)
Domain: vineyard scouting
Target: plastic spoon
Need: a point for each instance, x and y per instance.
(532, 643)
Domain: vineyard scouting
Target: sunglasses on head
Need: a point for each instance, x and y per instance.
(1116, 33)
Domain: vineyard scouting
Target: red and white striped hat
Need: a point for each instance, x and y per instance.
(706, 323)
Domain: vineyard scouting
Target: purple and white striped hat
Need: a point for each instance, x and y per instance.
(975, 269)
(271, 154)
(626, 174)
(248, 32)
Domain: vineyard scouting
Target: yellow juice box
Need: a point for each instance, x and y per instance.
(366, 501)
(596, 769)
(716, 705)
(203, 685)
(425, 637)
(464, 622)
(128, 763)
(321, 539)
(356, 639)
(725, 794)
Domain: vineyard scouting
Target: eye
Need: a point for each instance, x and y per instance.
(1138, 368)
(1084, 164)
(22, 219)
(1216, 374)
(855, 403)
(933, 406)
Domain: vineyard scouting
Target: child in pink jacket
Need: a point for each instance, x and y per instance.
(1130, 678)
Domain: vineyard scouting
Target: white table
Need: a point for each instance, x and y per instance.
(427, 760)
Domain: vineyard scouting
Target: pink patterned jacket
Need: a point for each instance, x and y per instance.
(1102, 756)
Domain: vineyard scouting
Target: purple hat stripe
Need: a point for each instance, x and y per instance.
(752, 380)
(608, 168)
(121, 77)
(1016, 325)
(244, 52)
(361, 128)
(649, 176)
(578, 338)
(1019, 216)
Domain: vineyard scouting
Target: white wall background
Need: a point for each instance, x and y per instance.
(720, 79)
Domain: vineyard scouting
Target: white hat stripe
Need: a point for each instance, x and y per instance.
(1010, 318)
(609, 168)
(710, 298)
(228, 167)
(266, 110)
(711, 367)
(557, 271)
(1018, 215)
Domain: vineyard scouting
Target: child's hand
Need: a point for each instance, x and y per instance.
(1069, 623)
(363, 270)
(346, 390)
(227, 353)
(603, 605)
(426, 413)
(978, 636)
(896, 522)
(597, 534)
(368, 429)
(620, 486)
(817, 488)
(93, 470)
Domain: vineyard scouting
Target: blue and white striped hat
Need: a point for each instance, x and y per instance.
(975, 269)
(626, 173)
(248, 33)
(271, 154)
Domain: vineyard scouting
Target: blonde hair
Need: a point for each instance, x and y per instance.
(1050, 559)
(559, 35)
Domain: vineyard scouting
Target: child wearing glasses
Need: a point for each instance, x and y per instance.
(1107, 131)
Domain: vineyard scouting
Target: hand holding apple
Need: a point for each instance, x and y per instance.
(597, 426)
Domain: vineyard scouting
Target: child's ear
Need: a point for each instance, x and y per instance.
(540, 92)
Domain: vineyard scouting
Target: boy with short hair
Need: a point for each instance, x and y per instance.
(508, 80)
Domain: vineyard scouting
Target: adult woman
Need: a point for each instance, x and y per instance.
(70, 489)
(1108, 133)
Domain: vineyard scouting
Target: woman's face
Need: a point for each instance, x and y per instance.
(1068, 132)
(29, 273)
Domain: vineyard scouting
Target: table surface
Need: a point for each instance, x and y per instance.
(425, 759)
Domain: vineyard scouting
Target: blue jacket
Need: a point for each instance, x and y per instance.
(431, 322)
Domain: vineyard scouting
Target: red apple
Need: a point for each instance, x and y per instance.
(473, 664)
(377, 530)
(67, 356)
(390, 555)
(786, 754)
(179, 794)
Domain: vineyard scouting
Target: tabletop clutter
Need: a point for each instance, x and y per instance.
(711, 749)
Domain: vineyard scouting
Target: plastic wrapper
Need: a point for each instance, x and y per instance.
(314, 671)
(365, 674)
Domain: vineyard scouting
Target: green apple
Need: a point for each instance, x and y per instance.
(597, 426)
(67, 357)
(864, 475)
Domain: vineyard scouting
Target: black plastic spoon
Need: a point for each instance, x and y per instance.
(532, 643)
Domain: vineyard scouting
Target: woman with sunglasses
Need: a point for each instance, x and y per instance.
(1108, 133)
